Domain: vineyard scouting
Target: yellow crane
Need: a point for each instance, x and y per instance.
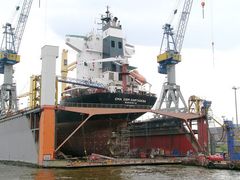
(197, 105)
(35, 82)
(65, 67)
(34, 91)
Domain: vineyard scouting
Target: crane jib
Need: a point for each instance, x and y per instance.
(22, 20)
(182, 25)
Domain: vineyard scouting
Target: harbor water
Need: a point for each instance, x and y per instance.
(168, 172)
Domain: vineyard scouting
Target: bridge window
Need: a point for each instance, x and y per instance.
(111, 76)
(113, 44)
(120, 45)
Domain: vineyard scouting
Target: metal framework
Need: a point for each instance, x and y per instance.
(35, 91)
(184, 117)
(80, 82)
(8, 39)
(22, 20)
(65, 67)
(233, 148)
(183, 24)
(9, 56)
(198, 105)
(171, 94)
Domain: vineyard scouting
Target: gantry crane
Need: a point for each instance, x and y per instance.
(167, 60)
(9, 56)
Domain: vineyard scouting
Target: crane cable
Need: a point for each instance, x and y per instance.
(175, 9)
(203, 5)
(211, 27)
(223, 129)
(212, 34)
(14, 12)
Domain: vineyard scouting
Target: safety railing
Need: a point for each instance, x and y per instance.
(99, 105)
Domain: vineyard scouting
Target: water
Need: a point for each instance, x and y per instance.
(9, 172)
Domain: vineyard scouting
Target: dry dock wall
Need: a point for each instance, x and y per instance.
(17, 141)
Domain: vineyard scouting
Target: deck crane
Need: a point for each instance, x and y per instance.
(171, 93)
(9, 56)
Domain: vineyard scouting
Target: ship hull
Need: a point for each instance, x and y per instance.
(93, 137)
(96, 135)
(112, 99)
(163, 136)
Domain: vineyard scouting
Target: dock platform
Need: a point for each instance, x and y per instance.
(108, 162)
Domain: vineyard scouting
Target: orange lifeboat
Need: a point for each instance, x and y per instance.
(138, 77)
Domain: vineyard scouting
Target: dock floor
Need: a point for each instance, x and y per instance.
(115, 162)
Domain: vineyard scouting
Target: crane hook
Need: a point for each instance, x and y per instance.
(203, 5)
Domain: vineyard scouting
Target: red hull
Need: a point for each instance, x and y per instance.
(168, 136)
(170, 144)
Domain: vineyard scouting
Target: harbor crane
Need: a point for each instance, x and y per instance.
(11, 41)
(172, 42)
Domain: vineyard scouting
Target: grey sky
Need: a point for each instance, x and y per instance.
(142, 20)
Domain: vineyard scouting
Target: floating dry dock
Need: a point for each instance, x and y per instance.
(30, 136)
(37, 136)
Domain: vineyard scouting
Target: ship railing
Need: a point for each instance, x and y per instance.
(98, 105)
(81, 82)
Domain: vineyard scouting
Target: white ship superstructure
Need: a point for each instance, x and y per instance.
(103, 57)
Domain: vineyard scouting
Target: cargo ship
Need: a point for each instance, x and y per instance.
(107, 80)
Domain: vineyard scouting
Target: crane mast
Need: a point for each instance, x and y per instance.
(171, 94)
(9, 56)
